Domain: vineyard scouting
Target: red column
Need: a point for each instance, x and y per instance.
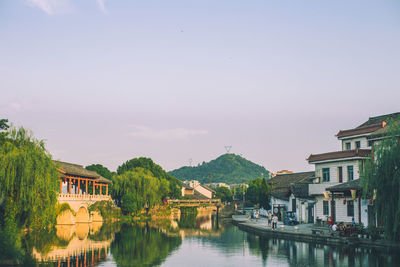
(69, 186)
(79, 185)
(107, 189)
(100, 189)
(86, 185)
(93, 188)
(61, 186)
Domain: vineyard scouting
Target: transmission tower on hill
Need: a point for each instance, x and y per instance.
(228, 148)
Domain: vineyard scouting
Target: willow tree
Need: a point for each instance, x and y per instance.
(381, 177)
(135, 188)
(28, 182)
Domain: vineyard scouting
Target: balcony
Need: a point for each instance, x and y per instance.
(83, 197)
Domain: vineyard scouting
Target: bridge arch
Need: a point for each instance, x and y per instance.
(82, 215)
(66, 217)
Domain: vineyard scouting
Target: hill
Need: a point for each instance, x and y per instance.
(228, 168)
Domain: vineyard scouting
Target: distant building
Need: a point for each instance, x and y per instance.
(281, 172)
(217, 185)
(197, 190)
(192, 183)
(290, 193)
(187, 191)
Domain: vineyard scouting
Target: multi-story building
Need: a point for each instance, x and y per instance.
(336, 187)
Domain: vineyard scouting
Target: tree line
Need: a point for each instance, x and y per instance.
(29, 182)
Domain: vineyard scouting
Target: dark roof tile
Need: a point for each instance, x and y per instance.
(339, 155)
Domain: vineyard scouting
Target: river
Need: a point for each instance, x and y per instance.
(193, 240)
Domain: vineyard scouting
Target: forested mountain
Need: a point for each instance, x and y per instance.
(228, 168)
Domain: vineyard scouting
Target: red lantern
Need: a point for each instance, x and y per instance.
(344, 201)
(370, 201)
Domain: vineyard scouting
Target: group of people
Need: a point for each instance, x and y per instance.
(341, 227)
(272, 220)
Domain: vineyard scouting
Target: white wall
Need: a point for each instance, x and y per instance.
(341, 210)
(363, 142)
(333, 169)
(318, 209)
(278, 201)
(204, 191)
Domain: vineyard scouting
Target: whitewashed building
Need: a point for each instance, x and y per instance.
(337, 187)
(290, 193)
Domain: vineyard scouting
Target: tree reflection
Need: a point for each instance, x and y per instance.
(259, 245)
(142, 246)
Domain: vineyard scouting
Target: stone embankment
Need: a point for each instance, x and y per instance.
(303, 233)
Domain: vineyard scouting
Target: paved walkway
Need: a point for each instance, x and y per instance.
(262, 223)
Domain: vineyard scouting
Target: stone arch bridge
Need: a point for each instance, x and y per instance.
(79, 205)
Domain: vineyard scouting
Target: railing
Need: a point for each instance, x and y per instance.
(194, 201)
(83, 197)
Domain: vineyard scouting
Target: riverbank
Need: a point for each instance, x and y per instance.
(303, 233)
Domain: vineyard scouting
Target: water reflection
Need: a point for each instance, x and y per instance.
(142, 246)
(74, 245)
(200, 239)
(293, 253)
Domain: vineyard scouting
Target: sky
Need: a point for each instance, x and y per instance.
(106, 81)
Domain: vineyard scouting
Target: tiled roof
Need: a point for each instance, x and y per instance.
(339, 155)
(281, 184)
(360, 130)
(380, 119)
(354, 184)
(300, 190)
(66, 169)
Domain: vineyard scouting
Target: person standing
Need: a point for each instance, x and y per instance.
(269, 219)
(274, 222)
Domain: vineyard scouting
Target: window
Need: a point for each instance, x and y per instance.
(348, 146)
(350, 173)
(340, 174)
(325, 204)
(350, 208)
(294, 205)
(325, 175)
(370, 143)
(358, 144)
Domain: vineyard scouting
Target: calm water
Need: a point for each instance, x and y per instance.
(190, 241)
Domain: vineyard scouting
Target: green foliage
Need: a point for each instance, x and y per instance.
(62, 207)
(137, 187)
(3, 127)
(223, 193)
(28, 182)
(188, 219)
(142, 246)
(174, 189)
(383, 175)
(259, 192)
(106, 209)
(100, 169)
(228, 168)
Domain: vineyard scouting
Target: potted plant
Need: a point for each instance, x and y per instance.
(373, 232)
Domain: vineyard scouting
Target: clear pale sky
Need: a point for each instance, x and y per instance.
(106, 81)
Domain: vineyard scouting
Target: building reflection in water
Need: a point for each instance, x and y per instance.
(294, 253)
(84, 244)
